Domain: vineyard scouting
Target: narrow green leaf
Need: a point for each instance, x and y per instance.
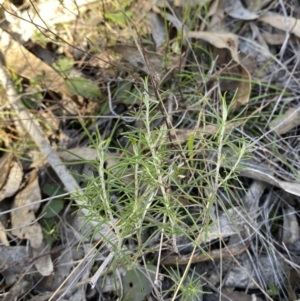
(84, 87)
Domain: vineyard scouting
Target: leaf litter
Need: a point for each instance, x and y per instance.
(226, 76)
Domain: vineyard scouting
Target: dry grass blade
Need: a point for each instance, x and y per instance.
(219, 40)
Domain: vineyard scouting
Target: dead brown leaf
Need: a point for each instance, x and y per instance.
(282, 22)
(291, 231)
(235, 9)
(220, 40)
(262, 173)
(3, 237)
(287, 121)
(243, 90)
(13, 181)
(273, 39)
(23, 220)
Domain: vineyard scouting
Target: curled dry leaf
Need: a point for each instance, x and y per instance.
(291, 232)
(172, 18)
(282, 23)
(13, 182)
(287, 121)
(244, 89)
(26, 64)
(158, 29)
(235, 9)
(23, 220)
(262, 173)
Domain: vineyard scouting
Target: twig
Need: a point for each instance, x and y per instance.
(213, 255)
(99, 272)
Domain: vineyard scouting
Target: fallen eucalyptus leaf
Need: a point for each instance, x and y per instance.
(290, 232)
(286, 121)
(23, 220)
(5, 165)
(3, 237)
(282, 22)
(13, 182)
(244, 89)
(235, 9)
(263, 173)
(220, 40)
